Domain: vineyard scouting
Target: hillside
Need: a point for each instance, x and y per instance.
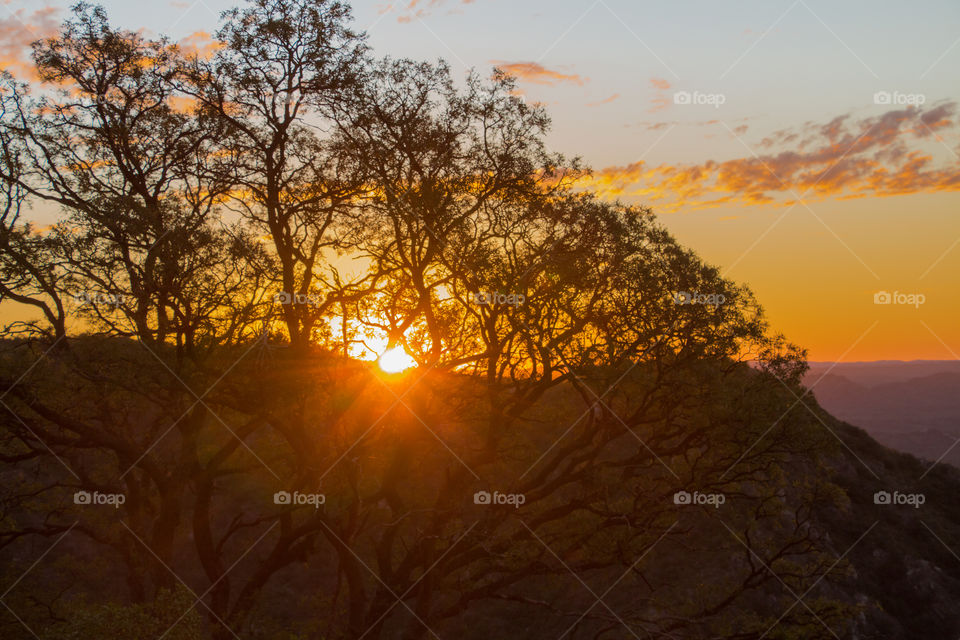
(905, 570)
(797, 519)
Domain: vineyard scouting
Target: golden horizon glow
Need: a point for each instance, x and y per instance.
(396, 360)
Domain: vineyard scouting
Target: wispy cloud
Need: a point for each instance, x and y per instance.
(536, 73)
(16, 34)
(882, 155)
(660, 99)
(604, 101)
(415, 9)
(199, 43)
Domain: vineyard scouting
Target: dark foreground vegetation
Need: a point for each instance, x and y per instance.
(193, 450)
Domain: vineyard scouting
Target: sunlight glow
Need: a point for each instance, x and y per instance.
(396, 360)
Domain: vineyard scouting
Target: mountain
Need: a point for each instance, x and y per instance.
(877, 372)
(909, 406)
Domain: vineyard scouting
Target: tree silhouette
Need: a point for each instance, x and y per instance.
(282, 68)
(208, 206)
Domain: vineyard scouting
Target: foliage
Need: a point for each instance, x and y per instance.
(166, 616)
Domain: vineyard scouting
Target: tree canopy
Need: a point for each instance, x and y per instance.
(238, 236)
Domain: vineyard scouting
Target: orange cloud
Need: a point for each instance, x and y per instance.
(660, 99)
(199, 43)
(875, 156)
(17, 33)
(536, 73)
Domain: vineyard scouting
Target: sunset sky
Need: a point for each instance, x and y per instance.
(808, 148)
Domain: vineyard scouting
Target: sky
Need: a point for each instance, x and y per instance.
(808, 148)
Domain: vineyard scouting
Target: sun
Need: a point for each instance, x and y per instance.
(396, 360)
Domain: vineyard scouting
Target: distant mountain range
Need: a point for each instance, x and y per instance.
(909, 406)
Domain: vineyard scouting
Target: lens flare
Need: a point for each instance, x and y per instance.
(396, 360)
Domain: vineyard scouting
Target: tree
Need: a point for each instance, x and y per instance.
(282, 68)
(450, 176)
(28, 269)
(566, 357)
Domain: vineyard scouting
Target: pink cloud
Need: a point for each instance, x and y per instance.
(844, 158)
(416, 9)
